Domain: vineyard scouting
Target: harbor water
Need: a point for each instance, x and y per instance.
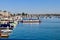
(48, 29)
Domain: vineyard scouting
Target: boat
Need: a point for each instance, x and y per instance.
(4, 35)
(31, 21)
(4, 26)
(6, 30)
(14, 24)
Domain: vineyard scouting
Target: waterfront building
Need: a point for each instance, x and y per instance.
(5, 14)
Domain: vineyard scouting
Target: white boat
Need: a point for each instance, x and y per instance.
(14, 24)
(9, 31)
(31, 21)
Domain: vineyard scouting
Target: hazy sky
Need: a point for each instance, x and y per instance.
(31, 6)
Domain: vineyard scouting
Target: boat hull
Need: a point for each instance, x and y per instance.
(31, 21)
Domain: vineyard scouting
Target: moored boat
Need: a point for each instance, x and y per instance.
(4, 26)
(4, 35)
(6, 30)
(31, 21)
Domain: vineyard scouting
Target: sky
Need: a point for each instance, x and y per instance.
(31, 6)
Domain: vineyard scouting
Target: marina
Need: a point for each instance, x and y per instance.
(6, 27)
(29, 19)
(29, 26)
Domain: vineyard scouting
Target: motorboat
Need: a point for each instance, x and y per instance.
(6, 30)
(30, 21)
(5, 25)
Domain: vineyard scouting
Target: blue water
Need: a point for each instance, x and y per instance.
(48, 29)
